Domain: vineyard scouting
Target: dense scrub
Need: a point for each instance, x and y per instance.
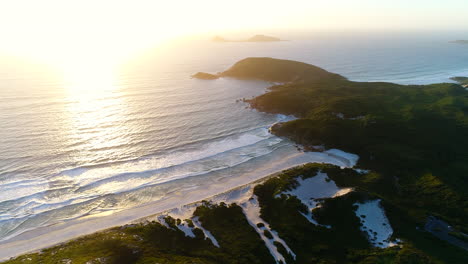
(413, 138)
(343, 242)
(236, 237)
(274, 70)
(239, 243)
(155, 243)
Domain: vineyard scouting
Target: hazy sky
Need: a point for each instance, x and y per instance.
(55, 29)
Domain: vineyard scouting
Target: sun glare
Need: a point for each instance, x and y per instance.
(84, 41)
(87, 39)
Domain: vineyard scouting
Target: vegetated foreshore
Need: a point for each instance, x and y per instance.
(44, 237)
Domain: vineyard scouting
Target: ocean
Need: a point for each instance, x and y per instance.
(149, 130)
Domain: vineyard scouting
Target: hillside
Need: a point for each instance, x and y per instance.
(274, 70)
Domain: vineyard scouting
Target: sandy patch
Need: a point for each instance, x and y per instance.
(375, 223)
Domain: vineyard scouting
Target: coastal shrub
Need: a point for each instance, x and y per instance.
(236, 237)
(411, 137)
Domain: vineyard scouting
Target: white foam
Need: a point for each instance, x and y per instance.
(375, 223)
(54, 234)
(285, 118)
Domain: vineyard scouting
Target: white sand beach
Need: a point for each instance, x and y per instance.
(37, 239)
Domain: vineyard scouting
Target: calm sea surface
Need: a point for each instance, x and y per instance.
(66, 153)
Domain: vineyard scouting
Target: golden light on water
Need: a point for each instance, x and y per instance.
(96, 117)
(79, 79)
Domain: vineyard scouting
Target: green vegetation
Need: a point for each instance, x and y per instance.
(154, 243)
(411, 138)
(343, 242)
(151, 243)
(237, 239)
(309, 242)
(277, 71)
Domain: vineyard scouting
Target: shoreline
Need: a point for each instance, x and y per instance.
(48, 236)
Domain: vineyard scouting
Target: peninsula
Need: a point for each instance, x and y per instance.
(461, 80)
(397, 161)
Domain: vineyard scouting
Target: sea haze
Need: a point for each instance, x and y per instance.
(152, 131)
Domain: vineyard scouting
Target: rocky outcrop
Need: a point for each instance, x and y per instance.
(218, 39)
(460, 41)
(262, 38)
(205, 76)
(463, 81)
(256, 38)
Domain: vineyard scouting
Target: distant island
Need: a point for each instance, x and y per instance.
(205, 76)
(460, 41)
(256, 38)
(259, 38)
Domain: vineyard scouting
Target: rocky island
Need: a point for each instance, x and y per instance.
(205, 76)
(261, 38)
(460, 41)
(409, 167)
(256, 38)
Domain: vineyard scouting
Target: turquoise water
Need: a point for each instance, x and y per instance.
(66, 153)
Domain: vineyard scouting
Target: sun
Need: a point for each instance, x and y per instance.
(83, 41)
